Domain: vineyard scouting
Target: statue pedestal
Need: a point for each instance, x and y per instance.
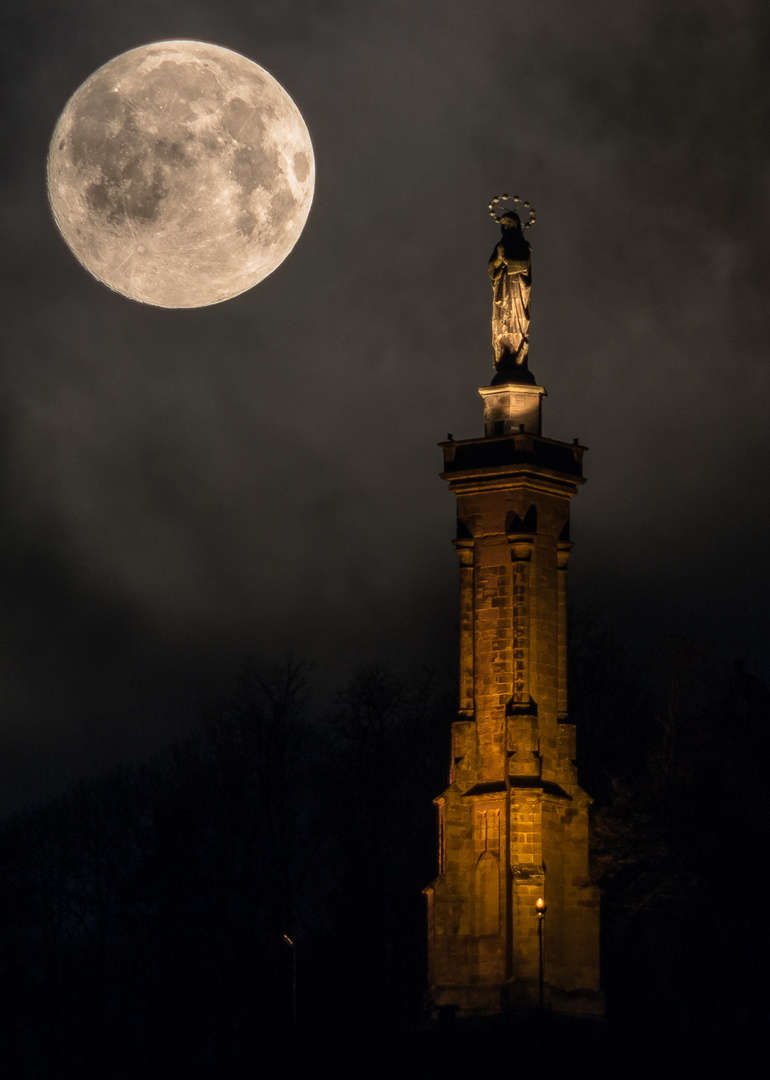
(511, 408)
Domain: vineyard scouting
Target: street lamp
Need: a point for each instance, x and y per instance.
(541, 907)
(290, 944)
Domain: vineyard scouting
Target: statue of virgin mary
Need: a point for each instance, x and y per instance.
(510, 268)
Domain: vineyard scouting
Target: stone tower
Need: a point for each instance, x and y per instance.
(513, 823)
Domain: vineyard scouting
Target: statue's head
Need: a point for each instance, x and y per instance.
(510, 220)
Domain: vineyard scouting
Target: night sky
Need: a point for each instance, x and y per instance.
(181, 489)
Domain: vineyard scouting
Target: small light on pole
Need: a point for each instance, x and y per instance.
(540, 907)
(290, 944)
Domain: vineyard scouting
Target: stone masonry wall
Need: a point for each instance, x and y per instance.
(514, 822)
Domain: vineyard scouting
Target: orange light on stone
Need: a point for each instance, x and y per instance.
(513, 805)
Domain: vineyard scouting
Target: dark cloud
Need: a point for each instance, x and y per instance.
(183, 487)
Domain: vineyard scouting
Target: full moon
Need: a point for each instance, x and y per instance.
(180, 174)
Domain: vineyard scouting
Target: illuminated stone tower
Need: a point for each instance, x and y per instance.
(513, 823)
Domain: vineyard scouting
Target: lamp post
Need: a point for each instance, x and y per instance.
(541, 907)
(288, 942)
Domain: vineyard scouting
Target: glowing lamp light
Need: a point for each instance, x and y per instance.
(541, 907)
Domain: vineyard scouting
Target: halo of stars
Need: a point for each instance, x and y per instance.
(515, 199)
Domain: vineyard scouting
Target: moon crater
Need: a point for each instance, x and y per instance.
(181, 174)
